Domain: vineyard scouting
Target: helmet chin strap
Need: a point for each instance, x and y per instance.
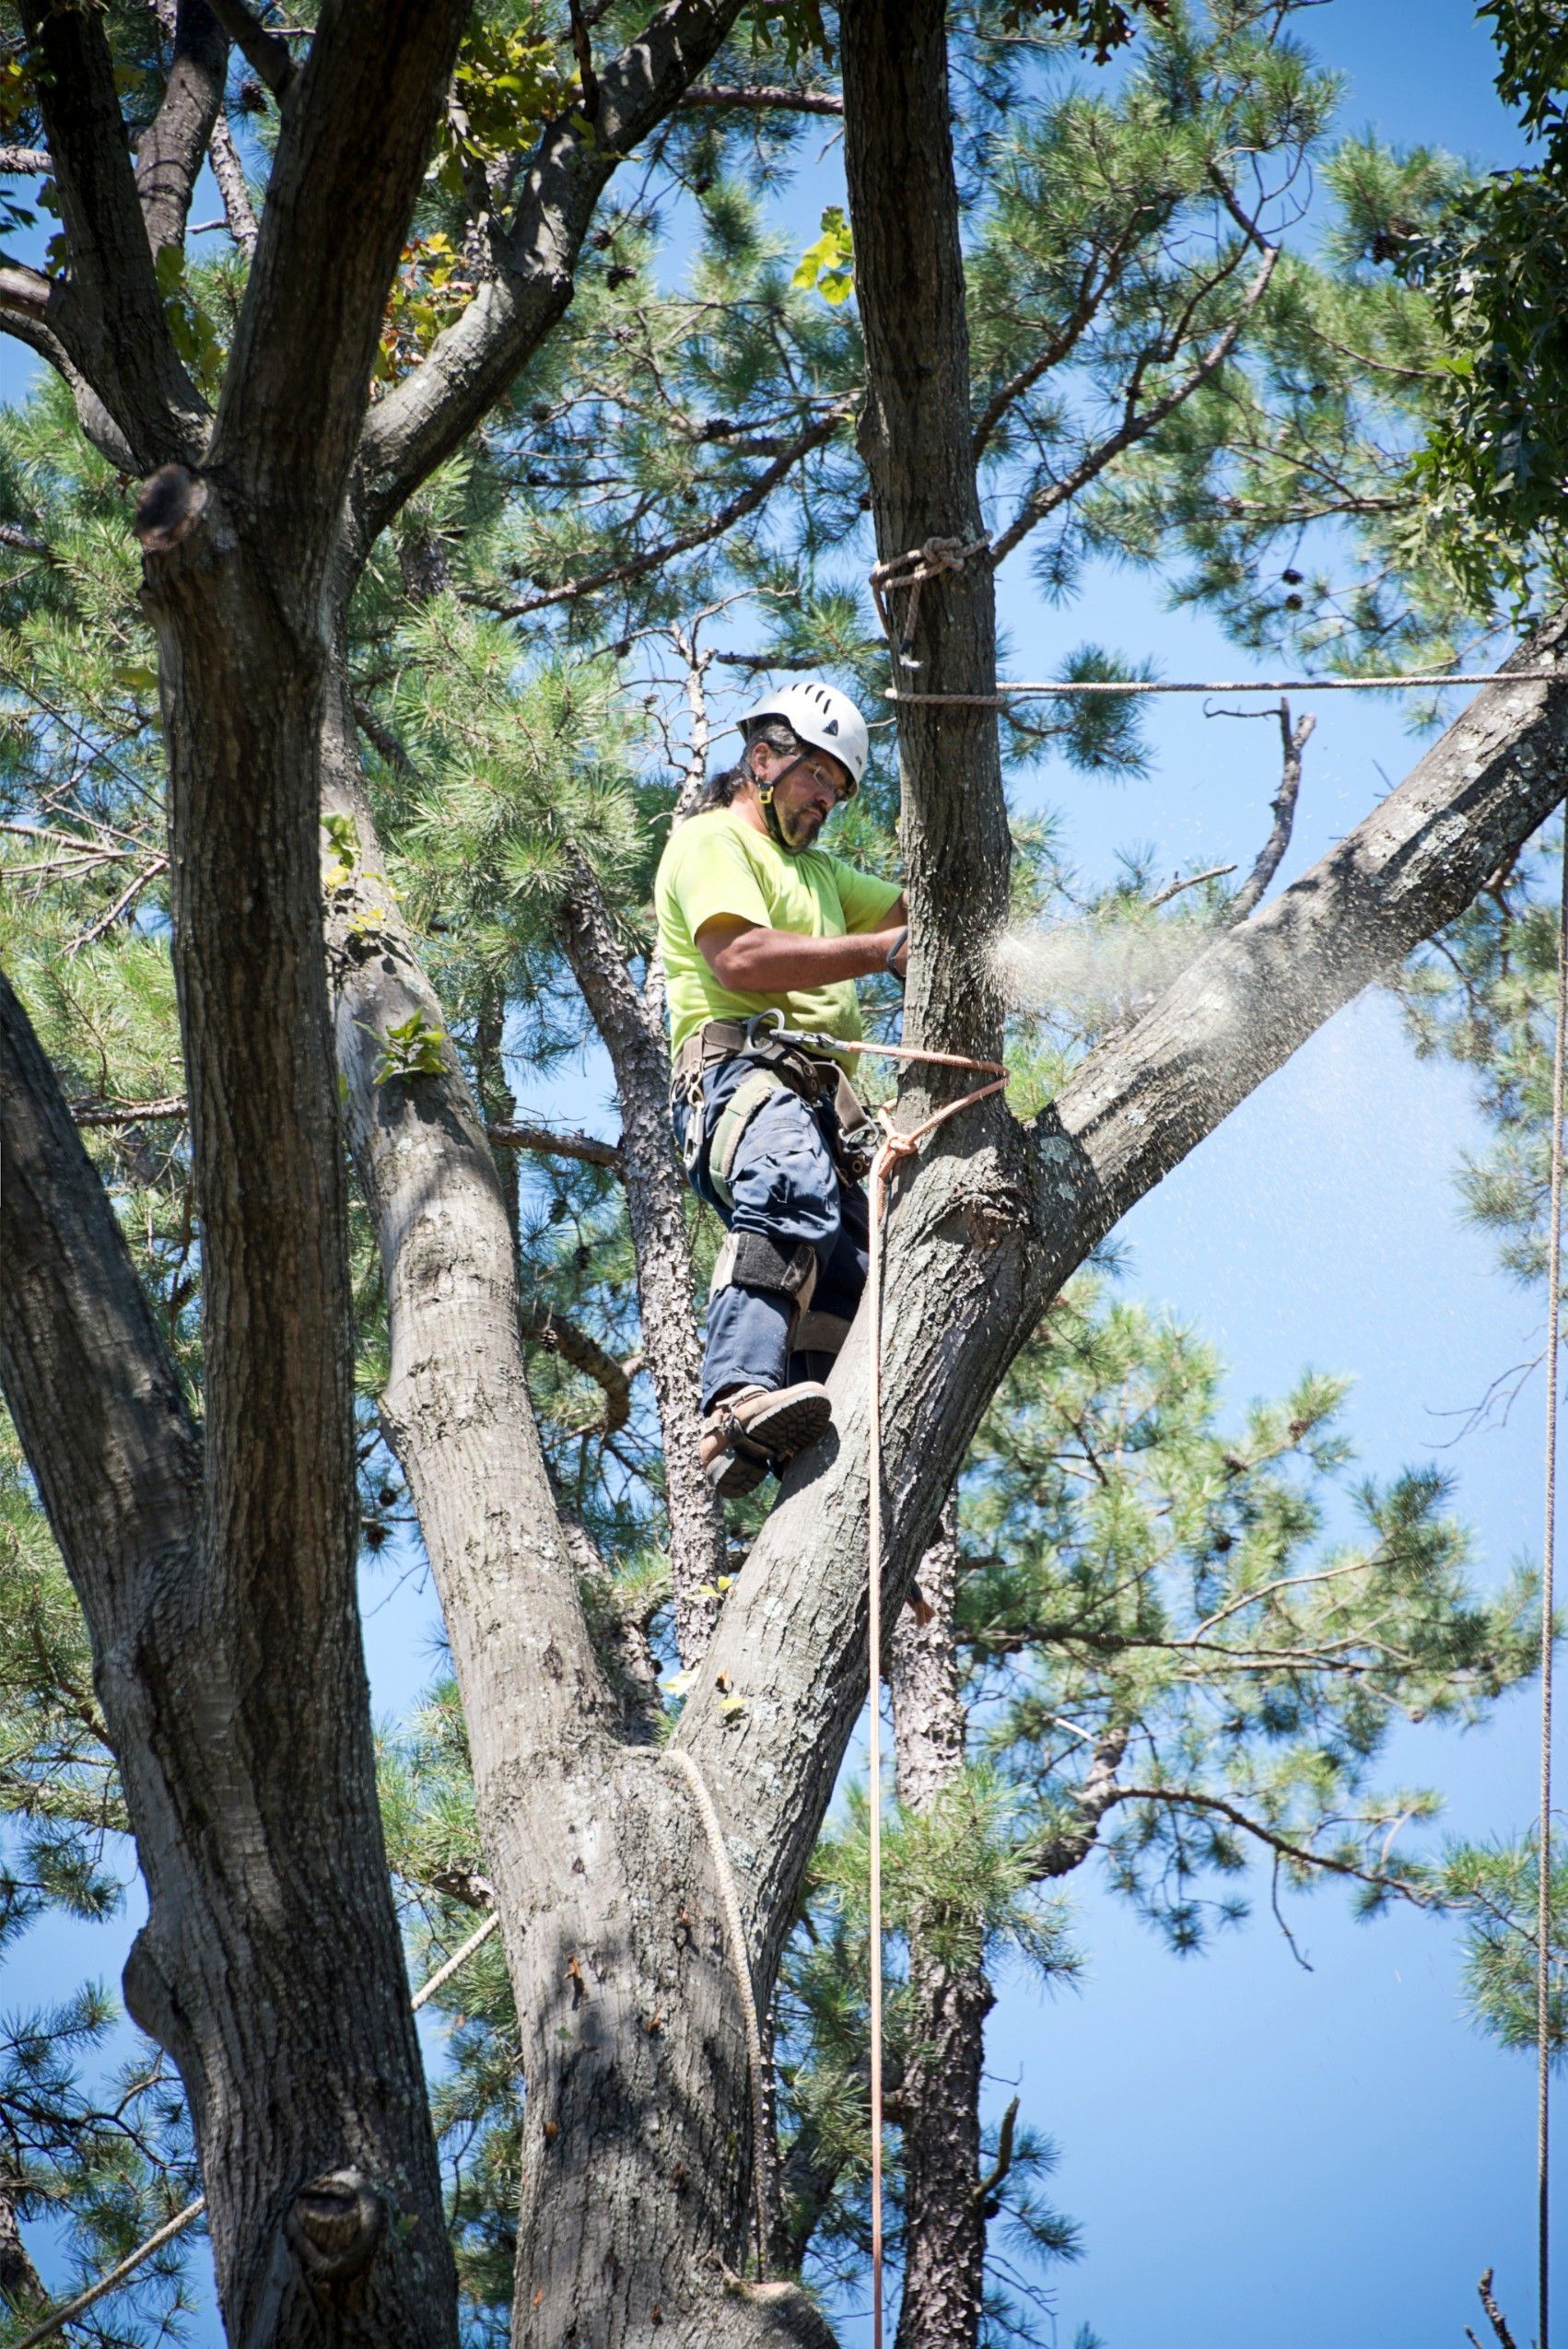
(771, 817)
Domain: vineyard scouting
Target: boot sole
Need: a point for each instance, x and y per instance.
(784, 1429)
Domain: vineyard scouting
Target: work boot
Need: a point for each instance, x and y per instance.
(759, 1428)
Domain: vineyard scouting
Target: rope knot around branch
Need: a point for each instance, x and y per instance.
(909, 573)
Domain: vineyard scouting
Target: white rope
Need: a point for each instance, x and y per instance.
(729, 1900)
(1006, 693)
(59, 2317)
(1549, 1550)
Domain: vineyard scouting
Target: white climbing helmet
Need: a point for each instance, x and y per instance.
(821, 716)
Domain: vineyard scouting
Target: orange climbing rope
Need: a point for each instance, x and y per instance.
(895, 1147)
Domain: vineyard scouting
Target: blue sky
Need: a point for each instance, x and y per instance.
(1255, 2152)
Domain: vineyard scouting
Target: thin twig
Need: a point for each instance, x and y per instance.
(1173, 888)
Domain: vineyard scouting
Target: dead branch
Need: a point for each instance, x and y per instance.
(229, 174)
(511, 1134)
(987, 2185)
(1292, 741)
(127, 1113)
(1494, 2315)
(760, 95)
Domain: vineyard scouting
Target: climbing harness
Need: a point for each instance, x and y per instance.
(894, 1148)
(56, 2321)
(1549, 1547)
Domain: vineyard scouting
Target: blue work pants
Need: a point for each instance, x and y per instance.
(785, 1185)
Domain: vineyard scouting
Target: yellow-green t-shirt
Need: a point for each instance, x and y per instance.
(718, 863)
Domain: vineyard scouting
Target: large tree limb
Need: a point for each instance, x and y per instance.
(430, 414)
(174, 144)
(107, 313)
(456, 1403)
(86, 1374)
(656, 1205)
(355, 141)
(604, 1878)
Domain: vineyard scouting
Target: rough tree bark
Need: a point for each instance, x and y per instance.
(656, 1208)
(948, 1995)
(270, 1964)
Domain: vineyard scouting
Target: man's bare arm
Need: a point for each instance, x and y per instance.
(750, 959)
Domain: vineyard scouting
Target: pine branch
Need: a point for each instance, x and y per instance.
(701, 535)
(1136, 423)
(1299, 1855)
(545, 1326)
(1091, 293)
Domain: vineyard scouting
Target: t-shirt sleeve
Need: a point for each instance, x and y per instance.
(864, 898)
(715, 876)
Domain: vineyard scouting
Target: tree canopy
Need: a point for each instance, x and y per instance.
(371, 590)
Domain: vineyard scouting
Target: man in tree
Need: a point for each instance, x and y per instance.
(763, 933)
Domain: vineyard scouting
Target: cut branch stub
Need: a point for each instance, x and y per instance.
(335, 2226)
(172, 502)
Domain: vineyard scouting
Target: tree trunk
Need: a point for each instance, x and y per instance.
(656, 1207)
(948, 1997)
(916, 437)
(637, 2200)
(270, 1964)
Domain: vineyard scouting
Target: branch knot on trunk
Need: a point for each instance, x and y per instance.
(335, 2226)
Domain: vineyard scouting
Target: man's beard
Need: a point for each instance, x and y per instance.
(799, 830)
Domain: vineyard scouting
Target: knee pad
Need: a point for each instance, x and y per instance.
(819, 1333)
(751, 1260)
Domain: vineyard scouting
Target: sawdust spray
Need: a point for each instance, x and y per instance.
(1097, 972)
